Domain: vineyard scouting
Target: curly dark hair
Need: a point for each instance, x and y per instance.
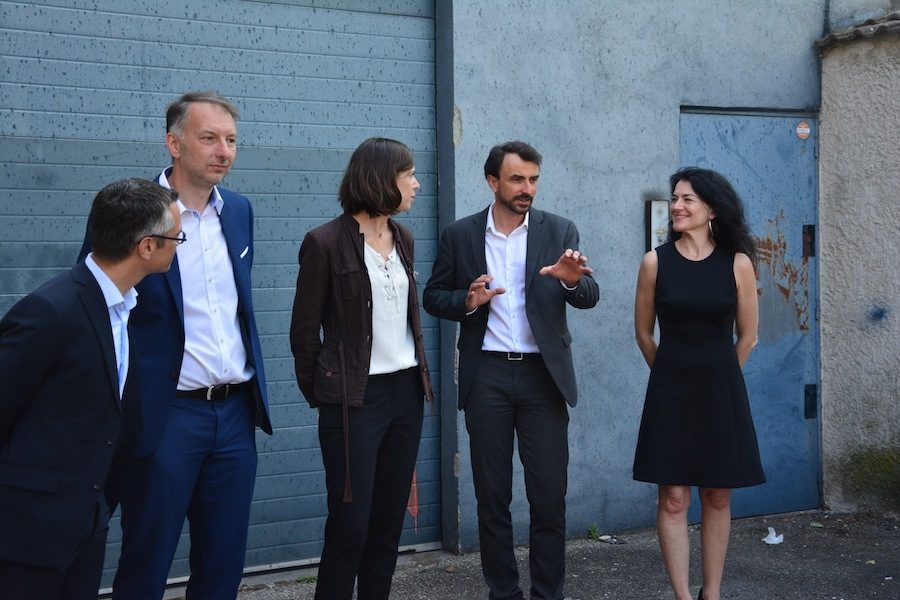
(729, 228)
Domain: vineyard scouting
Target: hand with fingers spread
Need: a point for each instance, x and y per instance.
(569, 268)
(480, 293)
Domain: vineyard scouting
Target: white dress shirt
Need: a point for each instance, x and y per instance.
(508, 329)
(393, 347)
(119, 307)
(213, 346)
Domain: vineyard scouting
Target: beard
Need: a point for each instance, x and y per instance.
(518, 204)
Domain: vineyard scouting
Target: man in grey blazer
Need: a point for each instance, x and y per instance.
(506, 275)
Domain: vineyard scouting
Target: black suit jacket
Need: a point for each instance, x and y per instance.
(64, 439)
(461, 259)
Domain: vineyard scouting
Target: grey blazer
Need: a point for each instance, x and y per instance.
(461, 259)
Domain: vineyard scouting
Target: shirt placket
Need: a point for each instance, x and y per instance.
(211, 281)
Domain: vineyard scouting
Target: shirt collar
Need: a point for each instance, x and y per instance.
(215, 198)
(490, 220)
(111, 293)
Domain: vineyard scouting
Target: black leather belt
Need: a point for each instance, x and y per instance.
(513, 356)
(213, 393)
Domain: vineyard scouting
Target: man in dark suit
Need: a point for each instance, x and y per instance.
(506, 275)
(201, 374)
(68, 415)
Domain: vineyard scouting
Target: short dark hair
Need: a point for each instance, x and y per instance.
(495, 157)
(178, 110)
(124, 212)
(729, 227)
(370, 181)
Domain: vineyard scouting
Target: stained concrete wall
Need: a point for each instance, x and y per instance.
(860, 284)
(597, 86)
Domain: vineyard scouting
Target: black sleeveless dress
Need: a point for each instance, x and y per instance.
(696, 428)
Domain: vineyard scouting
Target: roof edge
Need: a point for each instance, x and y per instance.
(888, 24)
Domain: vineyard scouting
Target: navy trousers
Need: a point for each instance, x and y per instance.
(519, 398)
(361, 537)
(204, 468)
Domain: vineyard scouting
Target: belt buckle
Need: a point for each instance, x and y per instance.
(214, 388)
(516, 356)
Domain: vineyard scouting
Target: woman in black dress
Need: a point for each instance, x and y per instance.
(696, 429)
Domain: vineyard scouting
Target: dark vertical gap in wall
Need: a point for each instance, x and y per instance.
(446, 197)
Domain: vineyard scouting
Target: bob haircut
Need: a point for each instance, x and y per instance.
(370, 182)
(729, 228)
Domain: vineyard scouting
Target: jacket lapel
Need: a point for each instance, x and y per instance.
(173, 279)
(535, 240)
(479, 224)
(98, 314)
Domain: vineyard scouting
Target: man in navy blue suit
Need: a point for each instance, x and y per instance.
(201, 371)
(69, 418)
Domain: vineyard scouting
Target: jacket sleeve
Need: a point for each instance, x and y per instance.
(310, 302)
(442, 297)
(29, 338)
(587, 293)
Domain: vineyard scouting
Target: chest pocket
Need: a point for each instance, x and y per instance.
(349, 281)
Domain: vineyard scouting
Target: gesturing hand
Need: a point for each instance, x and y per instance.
(479, 293)
(569, 268)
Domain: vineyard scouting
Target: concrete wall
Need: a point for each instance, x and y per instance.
(597, 88)
(860, 285)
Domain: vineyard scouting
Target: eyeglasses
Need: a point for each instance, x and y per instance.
(182, 237)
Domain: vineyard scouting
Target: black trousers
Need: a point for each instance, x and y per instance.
(519, 398)
(361, 537)
(77, 581)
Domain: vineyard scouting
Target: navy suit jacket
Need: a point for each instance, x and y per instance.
(157, 325)
(461, 259)
(65, 438)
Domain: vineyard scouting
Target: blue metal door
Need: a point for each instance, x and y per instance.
(771, 160)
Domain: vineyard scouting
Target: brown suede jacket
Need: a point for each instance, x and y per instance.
(334, 297)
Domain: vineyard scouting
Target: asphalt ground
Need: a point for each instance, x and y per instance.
(824, 555)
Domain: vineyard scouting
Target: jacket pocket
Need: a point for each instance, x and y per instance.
(328, 376)
(349, 282)
(29, 478)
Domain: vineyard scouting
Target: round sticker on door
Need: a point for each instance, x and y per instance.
(803, 130)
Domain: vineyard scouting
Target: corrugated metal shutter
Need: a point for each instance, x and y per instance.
(83, 89)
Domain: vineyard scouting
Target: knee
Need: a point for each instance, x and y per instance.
(674, 501)
(715, 499)
(547, 505)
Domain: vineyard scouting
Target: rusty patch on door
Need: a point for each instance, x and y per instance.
(783, 282)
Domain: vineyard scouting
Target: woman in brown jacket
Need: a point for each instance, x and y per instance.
(359, 358)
